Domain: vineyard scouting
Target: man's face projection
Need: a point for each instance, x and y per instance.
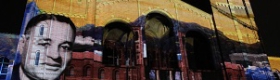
(47, 49)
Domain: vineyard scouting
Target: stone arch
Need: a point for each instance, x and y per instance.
(162, 12)
(206, 33)
(118, 43)
(160, 39)
(198, 45)
(112, 20)
(200, 54)
(161, 18)
(125, 26)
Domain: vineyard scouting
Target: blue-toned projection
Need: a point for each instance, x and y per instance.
(8, 54)
(30, 11)
(261, 72)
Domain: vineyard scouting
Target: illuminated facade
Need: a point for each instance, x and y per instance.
(159, 39)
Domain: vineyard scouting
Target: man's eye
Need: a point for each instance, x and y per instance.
(44, 44)
(65, 47)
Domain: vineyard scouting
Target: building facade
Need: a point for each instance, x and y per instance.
(156, 39)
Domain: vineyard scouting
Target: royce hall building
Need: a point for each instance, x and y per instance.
(158, 39)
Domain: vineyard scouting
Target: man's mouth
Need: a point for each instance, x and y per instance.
(52, 67)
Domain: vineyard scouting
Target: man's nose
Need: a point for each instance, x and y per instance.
(53, 52)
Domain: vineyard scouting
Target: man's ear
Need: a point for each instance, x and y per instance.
(21, 43)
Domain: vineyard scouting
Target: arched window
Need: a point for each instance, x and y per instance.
(70, 71)
(160, 40)
(116, 75)
(199, 51)
(37, 58)
(87, 71)
(101, 74)
(118, 40)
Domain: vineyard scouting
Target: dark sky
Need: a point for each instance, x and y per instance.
(12, 12)
(267, 19)
(265, 11)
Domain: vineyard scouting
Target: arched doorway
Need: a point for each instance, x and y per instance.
(116, 75)
(200, 56)
(161, 48)
(87, 71)
(70, 71)
(101, 74)
(118, 44)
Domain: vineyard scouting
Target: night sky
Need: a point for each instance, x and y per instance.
(267, 19)
(265, 11)
(12, 12)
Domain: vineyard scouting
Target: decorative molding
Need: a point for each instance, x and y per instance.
(231, 5)
(65, 14)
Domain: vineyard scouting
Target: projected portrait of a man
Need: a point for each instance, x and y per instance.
(46, 47)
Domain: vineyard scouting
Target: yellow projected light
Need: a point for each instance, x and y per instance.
(274, 62)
